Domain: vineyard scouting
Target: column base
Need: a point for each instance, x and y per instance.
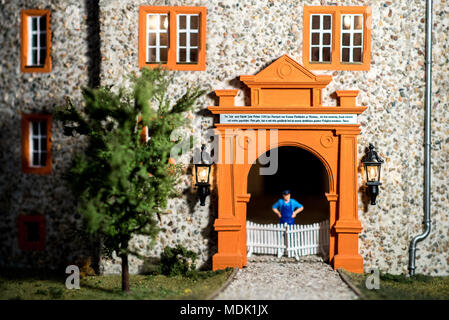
(351, 263)
(225, 260)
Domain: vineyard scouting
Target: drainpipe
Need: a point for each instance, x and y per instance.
(427, 169)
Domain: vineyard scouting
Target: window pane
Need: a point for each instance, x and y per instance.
(42, 39)
(152, 55)
(182, 55)
(43, 125)
(358, 22)
(153, 22)
(315, 54)
(326, 38)
(357, 39)
(194, 22)
(194, 55)
(152, 39)
(34, 57)
(42, 23)
(34, 40)
(164, 23)
(35, 127)
(326, 22)
(357, 55)
(315, 38)
(346, 22)
(346, 39)
(35, 144)
(43, 159)
(194, 39)
(182, 22)
(327, 54)
(35, 160)
(345, 55)
(182, 39)
(164, 55)
(163, 39)
(44, 144)
(315, 22)
(32, 231)
(42, 56)
(34, 23)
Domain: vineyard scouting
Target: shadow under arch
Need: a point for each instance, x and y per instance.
(299, 170)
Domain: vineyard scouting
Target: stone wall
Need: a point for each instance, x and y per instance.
(243, 37)
(46, 195)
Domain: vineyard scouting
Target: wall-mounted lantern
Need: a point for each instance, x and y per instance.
(372, 163)
(202, 175)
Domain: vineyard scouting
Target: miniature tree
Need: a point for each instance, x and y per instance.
(122, 182)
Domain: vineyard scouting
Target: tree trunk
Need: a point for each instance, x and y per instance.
(125, 273)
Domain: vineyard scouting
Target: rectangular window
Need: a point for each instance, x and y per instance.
(157, 38)
(35, 41)
(187, 40)
(36, 143)
(351, 38)
(337, 37)
(321, 38)
(174, 37)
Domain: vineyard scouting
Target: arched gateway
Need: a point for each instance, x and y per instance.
(286, 110)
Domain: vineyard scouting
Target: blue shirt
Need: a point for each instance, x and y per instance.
(286, 209)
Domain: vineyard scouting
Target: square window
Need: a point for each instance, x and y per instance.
(348, 50)
(31, 232)
(173, 36)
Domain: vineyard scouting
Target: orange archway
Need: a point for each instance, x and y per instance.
(286, 110)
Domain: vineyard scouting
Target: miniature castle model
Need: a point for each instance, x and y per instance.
(362, 59)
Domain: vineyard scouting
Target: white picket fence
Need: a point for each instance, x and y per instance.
(295, 240)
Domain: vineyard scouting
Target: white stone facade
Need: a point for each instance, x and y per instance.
(243, 37)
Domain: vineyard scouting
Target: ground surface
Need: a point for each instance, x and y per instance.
(270, 278)
(401, 287)
(37, 287)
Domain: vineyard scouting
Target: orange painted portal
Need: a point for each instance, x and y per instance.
(286, 88)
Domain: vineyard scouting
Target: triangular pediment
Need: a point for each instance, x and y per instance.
(285, 70)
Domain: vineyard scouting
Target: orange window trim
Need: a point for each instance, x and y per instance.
(171, 61)
(24, 244)
(337, 12)
(24, 41)
(26, 156)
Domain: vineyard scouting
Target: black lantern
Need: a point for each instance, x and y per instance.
(202, 174)
(372, 163)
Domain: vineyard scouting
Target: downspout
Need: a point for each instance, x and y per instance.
(427, 169)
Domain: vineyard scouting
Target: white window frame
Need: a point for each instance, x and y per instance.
(187, 31)
(320, 45)
(158, 32)
(39, 138)
(351, 31)
(39, 45)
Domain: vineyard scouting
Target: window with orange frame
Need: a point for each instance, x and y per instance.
(36, 143)
(173, 37)
(35, 41)
(337, 37)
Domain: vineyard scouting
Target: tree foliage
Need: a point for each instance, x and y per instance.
(121, 181)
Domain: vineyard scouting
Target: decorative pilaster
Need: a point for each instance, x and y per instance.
(348, 226)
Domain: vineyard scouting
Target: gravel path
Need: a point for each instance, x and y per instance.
(272, 278)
